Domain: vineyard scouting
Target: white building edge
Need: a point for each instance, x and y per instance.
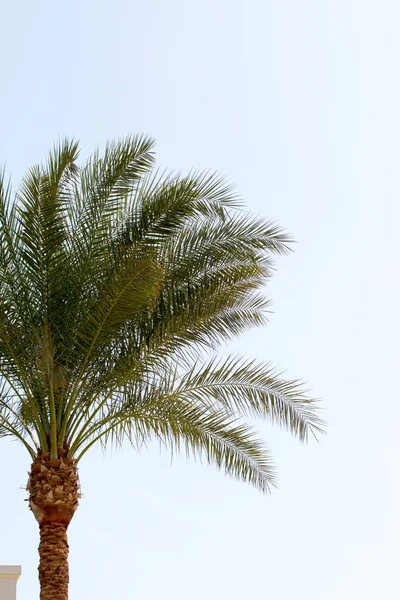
(9, 576)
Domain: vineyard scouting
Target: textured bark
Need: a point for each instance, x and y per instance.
(53, 498)
(53, 565)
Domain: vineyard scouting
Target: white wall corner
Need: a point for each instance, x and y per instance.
(9, 576)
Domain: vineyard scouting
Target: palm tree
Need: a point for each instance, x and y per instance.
(117, 284)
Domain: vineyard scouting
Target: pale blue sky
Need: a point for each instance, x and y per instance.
(298, 102)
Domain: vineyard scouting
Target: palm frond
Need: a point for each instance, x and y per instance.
(256, 390)
(44, 199)
(106, 182)
(230, 446)
(12, 422)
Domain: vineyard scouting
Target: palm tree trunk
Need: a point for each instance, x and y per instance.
(53, 566)
(53, 498)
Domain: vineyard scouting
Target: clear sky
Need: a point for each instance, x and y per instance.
(298, 102)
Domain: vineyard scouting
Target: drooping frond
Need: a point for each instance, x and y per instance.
(182, 425)
(231, 389)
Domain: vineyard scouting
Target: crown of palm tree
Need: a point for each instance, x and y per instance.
(115, 282)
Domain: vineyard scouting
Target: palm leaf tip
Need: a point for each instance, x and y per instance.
(249, 389)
